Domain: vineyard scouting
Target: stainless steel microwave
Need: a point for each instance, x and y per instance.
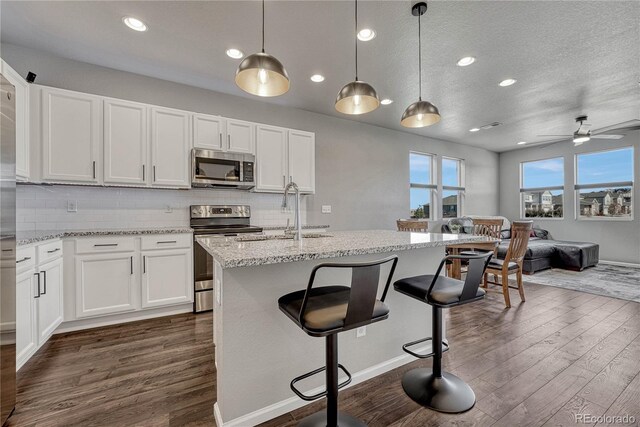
(223, 170)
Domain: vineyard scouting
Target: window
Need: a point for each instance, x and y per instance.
(421, 185)
(452, 187)
(542, 188)
(604, 184)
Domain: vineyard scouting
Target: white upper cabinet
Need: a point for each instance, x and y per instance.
(22, 121)
(302, 160)
(125, 142)
(240, 136)
(71, 136)
(271, 158)
(209, 132)
(170, 147)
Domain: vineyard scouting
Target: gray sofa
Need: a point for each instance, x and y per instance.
(542, 252)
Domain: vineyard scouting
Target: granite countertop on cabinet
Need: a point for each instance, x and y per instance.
(28, 237)
(284, 227)
(231, 253)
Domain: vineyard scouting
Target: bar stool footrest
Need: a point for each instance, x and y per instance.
(423, 356)
(315, 372)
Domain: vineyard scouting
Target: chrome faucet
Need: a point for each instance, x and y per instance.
(296, 224)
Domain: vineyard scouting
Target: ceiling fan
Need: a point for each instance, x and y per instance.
(583, 133)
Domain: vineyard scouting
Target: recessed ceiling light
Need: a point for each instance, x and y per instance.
(317, 78)
(507, 82)
(366, 34)
(134, 23)
(522, 142)
(234, 53)
(474, 129)
(386, 101)
(467, 60)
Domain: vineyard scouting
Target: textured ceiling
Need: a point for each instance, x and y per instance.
(569, 57)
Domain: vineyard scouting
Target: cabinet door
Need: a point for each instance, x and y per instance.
(167, 277)
(240, 136)
(271, 163)
(209, 132)
(302, 160)
(50, 302)
(105, 284)
(125, 142)
(71, 136)
(22, 121)
(170, 147)
(26, 337)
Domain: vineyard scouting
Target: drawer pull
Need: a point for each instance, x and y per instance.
(44, 282)
(103, 245)
(53, 250)
(167, 241)
(38, 274)
(27, 258)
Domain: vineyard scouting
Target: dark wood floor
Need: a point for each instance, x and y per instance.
(536, 364)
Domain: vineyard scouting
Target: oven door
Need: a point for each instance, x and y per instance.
(213, 168)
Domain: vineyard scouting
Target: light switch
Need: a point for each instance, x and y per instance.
(326, 209)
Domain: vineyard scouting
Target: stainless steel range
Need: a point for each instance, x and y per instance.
(222, 220)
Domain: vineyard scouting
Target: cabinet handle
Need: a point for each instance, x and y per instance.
(144, 264)
(154, 173)
(284, 181)
(94, 169)
(290, 178)
(220, 140)
(44, 273)
(167, 241)
(131, 265)
(23, 259)
(38, 275)
(228, 142)
(53, 250)
(143, 172)
(104, 245)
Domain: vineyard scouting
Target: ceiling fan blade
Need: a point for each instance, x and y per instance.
(625, 126)
(607, 136)
(554, 136)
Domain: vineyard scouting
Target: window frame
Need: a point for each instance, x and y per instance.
(577, 186)
(523, 190)
(461, 188)
(433, 187)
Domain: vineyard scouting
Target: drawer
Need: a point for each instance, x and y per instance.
(25, 258)
(166, 241)
(49, 251)
(93, 245)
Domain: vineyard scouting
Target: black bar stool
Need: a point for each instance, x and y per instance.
(434, 388)
(328, 310)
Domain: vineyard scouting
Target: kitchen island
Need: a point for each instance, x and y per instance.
(258, 350)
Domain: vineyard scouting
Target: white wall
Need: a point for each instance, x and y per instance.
(361, 170)
(619, 240)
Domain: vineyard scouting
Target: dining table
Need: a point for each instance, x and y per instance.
(455, 270)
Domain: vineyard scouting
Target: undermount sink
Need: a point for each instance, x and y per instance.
(288, 236)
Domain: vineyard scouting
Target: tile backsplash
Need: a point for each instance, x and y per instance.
(44, 207)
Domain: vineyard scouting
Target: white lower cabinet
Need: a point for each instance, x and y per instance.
(167, 277)
(105, 284)
(50, 302)
(26, 332)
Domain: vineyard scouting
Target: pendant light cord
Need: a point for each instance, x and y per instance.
(356, 40)
(419, 58)
(262, 26)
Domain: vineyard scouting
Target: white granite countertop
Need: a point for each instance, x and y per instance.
(283, 227)
(28, 237)
(231, 253)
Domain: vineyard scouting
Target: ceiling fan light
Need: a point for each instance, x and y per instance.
(263, 75)
(357, 97)
(579, 139)
(420, 114)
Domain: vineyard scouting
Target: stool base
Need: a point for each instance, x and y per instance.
(319, 419)
(445, 394)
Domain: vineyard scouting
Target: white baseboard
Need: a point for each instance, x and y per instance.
(293, 403)
(621, 264)
(97, 322)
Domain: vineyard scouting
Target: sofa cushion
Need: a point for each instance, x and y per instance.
(537, 248)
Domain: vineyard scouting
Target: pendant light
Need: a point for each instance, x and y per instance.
(262, 74)
(421, 113)
(357, 97)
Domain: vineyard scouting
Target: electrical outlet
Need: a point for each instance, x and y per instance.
(361, 331)
(326, 209)
(72, 206)
(168, 209)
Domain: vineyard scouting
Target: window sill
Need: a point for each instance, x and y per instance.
(628, 219)
(542, 218)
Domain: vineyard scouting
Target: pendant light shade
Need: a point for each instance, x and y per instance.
(357, 97)
(262, 74)
(420, 113)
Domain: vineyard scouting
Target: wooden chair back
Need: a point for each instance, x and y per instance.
(487, 227)
(415, 225)
(520, 231)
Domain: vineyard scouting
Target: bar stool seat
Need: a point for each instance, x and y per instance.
(326, 308)
(445, 290)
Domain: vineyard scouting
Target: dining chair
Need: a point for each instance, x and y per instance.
(512, 262)
(414, 225)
